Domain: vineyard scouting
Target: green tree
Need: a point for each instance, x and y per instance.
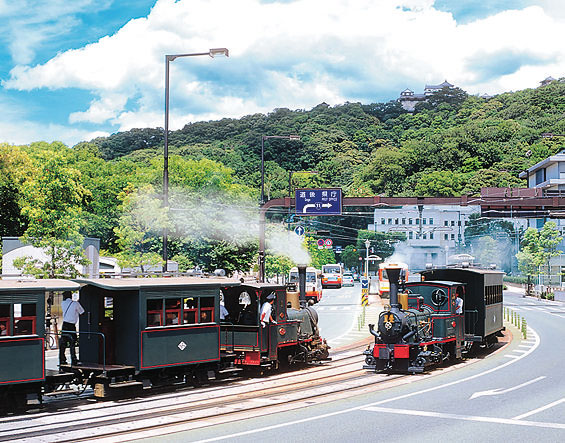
(52, 203)
(350, 257)
(142, 219)
(318, 256)
(537, 248)
(277, 265)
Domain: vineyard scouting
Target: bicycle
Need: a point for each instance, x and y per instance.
(52, 338)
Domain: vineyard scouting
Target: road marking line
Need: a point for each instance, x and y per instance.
(520, 351)
(508, 421)
(499, 391)
(512, 356)
(399, 397)
(535, 411)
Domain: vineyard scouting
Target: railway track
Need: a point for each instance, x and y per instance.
(81, 420)
(221, 402)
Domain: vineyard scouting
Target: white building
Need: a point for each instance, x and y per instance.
(13, 248)
(433, 233)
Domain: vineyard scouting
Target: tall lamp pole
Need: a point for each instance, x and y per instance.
(216, 52)
(367, 244)
(262, 210)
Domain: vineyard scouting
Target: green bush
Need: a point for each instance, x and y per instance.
(550, 296)
(516, 279)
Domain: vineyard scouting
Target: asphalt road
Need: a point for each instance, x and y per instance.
(339, 313)
(517, 394)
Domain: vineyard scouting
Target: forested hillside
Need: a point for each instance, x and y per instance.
(450, 145)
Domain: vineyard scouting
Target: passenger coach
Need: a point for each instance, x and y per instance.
(22, 338)
(155, 329)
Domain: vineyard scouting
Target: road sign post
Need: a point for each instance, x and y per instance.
(364, 292)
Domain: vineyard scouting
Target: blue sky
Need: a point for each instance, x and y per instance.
(71, 71)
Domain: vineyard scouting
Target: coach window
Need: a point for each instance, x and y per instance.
(172, 311)
(189, 310)
(155, 312)
(24, 318)
(207, 309)
(5, 319)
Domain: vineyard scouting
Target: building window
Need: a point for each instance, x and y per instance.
(423, 221)
(425, 237)
(445, 223)
(409, 221)
(446, 236)
(417, 221)
(431, 221)
(403, 221)
(395, 221)
(390, 221)
(459, 223)
(452, 222)
(410, 235)
(431, 235)
(452, 236)
(383, 221)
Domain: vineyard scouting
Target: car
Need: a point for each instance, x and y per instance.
(347, 279)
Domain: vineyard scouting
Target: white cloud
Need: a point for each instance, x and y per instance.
(295, 55)
(27, 24)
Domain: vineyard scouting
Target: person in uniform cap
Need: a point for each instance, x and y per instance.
(267, 311)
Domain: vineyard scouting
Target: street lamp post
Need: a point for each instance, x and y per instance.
(215, 52)
(367, 244)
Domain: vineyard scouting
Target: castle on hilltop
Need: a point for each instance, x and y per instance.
(409, 100)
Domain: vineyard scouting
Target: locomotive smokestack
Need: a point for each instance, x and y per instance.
(302, 284)
(393, 277)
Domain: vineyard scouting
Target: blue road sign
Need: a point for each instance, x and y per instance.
(338, 250)
(364, 283)
(299, 230)
(318, 201)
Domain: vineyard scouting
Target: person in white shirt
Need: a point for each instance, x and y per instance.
(71, 311)
(267, 311)
(458, 304)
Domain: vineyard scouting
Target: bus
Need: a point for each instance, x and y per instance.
(384, 285)
(313, 283)
(332, 275)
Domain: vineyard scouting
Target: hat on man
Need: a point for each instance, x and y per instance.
(271, 297)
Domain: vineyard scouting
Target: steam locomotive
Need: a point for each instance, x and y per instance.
(422, 327)
(138, 333)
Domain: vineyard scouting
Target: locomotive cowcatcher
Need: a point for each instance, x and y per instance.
(422, 327)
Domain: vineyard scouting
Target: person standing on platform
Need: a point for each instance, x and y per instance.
(72, 309)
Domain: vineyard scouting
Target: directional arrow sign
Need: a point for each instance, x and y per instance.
(503, 391)
(299, 230)
(326, 201)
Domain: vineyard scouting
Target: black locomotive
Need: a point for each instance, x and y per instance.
(138, 333)
(423, 326)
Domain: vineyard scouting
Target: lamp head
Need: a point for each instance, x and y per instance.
(219, 52)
